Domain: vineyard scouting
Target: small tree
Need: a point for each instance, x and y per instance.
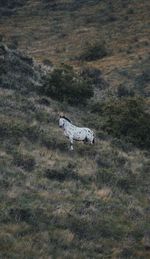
(63, 84)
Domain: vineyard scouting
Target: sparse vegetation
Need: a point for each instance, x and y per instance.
(24, 161)
(93, 202)
(92, 197)
(124, 91)
(17, 71)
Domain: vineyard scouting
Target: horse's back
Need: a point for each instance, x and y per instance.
(89, 130)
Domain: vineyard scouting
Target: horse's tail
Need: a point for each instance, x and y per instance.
(93, 141)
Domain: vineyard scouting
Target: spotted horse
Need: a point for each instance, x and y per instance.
(75, 133)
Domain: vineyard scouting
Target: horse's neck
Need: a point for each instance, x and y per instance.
(67, 124)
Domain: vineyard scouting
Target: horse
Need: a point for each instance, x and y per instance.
(75, 133)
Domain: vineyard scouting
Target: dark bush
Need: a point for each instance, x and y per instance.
(95, 76)
(94, 228)
(18, 214)
(142, 81)
(26, 161)
(66, 85)
(126, 118)
(62, 174)
(44, 101)
(1, 37)
(47, 62)
(97, 107)
(126, 184)
(105, 176)
(12, 4)
(130, 11)
(14, 43)
(124, 91)
(94, 52)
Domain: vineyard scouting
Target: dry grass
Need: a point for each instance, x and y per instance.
(94, 202)
(62, 35)
(105, 193)
(61, 201)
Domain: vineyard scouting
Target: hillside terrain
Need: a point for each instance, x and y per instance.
(92, 202)
(61, 31)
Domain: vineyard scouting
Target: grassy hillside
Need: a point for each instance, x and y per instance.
(61, 31)
(62, 28)
(92, 203)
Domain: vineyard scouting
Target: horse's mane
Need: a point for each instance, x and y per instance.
(64, 117)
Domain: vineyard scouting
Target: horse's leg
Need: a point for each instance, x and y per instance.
(92, 140)
(71, 143)
(86, 140)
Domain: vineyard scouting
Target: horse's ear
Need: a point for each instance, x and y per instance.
(61, 115)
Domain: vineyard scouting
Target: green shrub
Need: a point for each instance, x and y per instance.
(126, 118)
(66, 85)
(94, 52)
(95, 77)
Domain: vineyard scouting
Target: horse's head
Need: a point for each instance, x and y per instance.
(63, 120)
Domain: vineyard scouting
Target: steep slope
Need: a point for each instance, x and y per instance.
(62, 31)
(92, 203)
(18, 71)
(61, 28)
